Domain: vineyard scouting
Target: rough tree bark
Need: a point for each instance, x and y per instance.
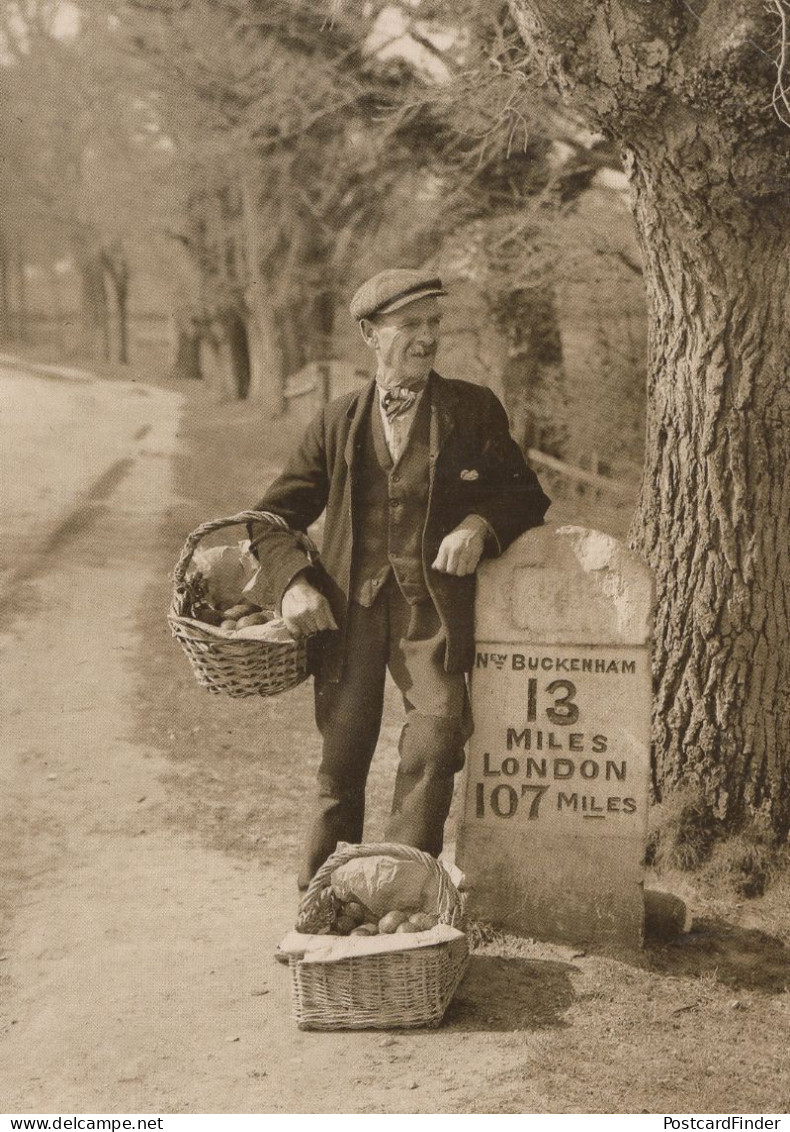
(686, 89)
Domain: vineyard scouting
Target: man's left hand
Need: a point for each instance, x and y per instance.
(460, 551)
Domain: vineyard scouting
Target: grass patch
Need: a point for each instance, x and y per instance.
(686, 836)
(683, 830)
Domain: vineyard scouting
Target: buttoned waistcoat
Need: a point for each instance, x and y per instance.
(474, 466)
(390, 502)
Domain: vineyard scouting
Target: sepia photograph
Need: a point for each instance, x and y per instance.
(394, 561)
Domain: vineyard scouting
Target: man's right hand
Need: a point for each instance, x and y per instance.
(305, 610)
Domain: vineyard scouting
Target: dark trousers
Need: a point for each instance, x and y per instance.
(409, 640)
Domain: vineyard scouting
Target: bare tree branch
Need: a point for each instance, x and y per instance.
(781, 96)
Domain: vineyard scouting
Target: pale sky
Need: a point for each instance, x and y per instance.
(390, 39)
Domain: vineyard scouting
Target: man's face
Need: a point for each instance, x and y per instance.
(405, 341)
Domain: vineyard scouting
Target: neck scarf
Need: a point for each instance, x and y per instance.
(399, 400)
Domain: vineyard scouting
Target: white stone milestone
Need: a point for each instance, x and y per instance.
(554, 823)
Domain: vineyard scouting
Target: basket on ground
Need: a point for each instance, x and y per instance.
(404, 988)
(220, 662)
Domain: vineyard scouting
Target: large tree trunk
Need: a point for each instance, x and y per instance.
(689, 96)
(714, 516)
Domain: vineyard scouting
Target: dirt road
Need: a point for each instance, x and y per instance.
(149, 836)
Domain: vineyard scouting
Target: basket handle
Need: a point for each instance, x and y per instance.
(447, 898)
(190, 546)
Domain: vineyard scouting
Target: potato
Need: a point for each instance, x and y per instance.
(344, 925)
(406, 927)
(390, 922)
(355, 910)
(423, 921)
(252, 619)
(242, 609)
(227, 624)
(365, 929)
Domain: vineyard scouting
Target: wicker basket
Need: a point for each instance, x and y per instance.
(393, 989)
(236, 667)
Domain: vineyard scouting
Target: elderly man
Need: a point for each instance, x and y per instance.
(419, 478)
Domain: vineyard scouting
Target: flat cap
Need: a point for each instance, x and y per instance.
(390, 290)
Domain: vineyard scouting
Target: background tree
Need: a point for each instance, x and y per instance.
(685, 89)
(284, 156)
(269, 113)
(307, 153)
(509, 165)
(76, 142)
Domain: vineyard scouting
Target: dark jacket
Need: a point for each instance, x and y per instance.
(469, 434)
